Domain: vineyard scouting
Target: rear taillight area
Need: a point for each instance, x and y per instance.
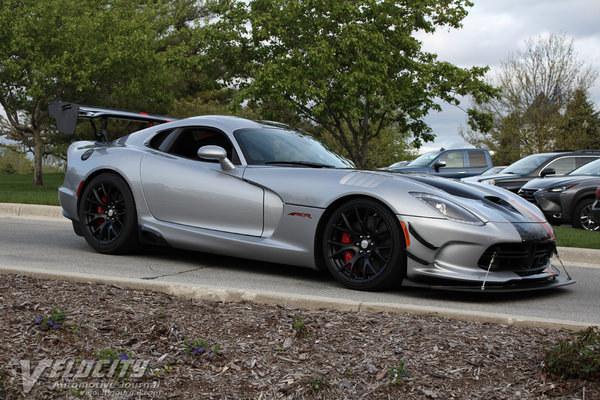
(598, 193)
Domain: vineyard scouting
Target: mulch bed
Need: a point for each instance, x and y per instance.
(250, 351)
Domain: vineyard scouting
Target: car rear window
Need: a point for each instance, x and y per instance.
(477, 159)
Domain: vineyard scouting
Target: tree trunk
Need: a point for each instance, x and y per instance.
(38, 155)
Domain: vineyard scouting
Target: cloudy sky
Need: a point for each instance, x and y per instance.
(495, 29)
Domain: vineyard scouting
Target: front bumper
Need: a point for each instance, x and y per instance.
(550, 204)
(508, 287)
(497, 256)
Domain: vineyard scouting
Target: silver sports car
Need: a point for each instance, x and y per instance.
(265, 191)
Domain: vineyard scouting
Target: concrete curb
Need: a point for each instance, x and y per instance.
(581, 256)
(206, 293)
(30, 210)
(590, 257)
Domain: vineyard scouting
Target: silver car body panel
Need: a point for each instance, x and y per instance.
(272, 213)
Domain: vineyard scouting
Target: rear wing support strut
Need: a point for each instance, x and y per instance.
(66, 115)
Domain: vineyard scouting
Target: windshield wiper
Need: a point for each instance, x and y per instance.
(301, 163)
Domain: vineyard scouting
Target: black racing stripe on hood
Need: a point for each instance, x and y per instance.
(533, 231)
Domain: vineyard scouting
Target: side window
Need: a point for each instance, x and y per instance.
(477, 159)
(581, 161)
(454, 159)
(562, 165)
(159, 138)
(189, 140)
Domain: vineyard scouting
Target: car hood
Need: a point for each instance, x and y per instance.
(547, 183)
(321, 187)
(490, 203)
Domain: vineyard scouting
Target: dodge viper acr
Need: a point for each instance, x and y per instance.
(264, 191)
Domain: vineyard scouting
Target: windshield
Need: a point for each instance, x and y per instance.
(423, 159)
(592, 168)
(527, 165)
(270, 146)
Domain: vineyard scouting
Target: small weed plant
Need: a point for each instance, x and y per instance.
(299, 327)
(201, 347)
(578, 356)
(317, 383)
(54, 321)
(165, 370)
(398, 373)
(117, 362)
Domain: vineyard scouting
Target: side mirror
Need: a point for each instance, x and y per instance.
(216, 153)
(547, 171)
(438, 165)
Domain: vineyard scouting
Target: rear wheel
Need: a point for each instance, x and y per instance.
(582, 216)
(363, 247)
(107, 215)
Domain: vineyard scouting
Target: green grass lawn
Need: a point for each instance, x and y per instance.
(19, 188)
(571, 237)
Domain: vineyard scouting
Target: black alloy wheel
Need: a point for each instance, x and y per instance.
(107, 215)
(363, 246)
(582, 216)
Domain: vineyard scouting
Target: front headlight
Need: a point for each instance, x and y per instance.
(448, 209)
(489, 181)
(561, 188)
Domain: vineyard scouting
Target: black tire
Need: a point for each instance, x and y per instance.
(107, 215)
(363, 247)
(582, 217)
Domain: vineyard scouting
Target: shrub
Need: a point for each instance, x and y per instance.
(578, 356)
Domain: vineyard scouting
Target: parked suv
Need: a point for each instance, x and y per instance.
(451, 163)
(595, 211)
(567, 199)
(538, 165)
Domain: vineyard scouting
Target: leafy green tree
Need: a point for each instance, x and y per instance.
(580, 126)
(539, 85)
(353, 68)
(105, 52)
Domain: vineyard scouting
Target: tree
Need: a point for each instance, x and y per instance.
(538, 85)
(111, 52)
(353, 68)
(580, 126)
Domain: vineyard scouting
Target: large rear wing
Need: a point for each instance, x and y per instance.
(66, 115)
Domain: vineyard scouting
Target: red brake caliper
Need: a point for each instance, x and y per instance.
(346, 238)
(101, 210)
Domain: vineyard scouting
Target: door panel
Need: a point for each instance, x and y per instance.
(199, 194)
(454, 165)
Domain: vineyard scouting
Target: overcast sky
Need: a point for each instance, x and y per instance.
(495, 29)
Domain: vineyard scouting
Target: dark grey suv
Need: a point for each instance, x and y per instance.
(567, 199)
(534, 166)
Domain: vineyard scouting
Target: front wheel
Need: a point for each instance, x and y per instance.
(363, 247)
(582, 216)
(107, 215)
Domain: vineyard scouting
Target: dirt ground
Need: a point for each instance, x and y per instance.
(166, 347)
